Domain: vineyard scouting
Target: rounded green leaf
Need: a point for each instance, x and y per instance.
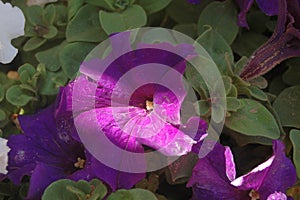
(295, 139)
(133, 194)
(253, 119)
(152, 6)
(34, 43)
(287, 105)
(221, 16)
(216, 46)
(2, 115)
(26, 72)
(58, 190)
(85, 26)
(16, 96)
(72, 55)
(188, 29)
(133, 17)
(2, 93)
(52, 32)
(107, 4)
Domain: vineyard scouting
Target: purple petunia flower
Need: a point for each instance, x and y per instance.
(45, 153)
(214, 177)
(131, 116)
(193, 1)
(284, 43)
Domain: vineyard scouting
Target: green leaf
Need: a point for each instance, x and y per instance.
(202, 107)
(253, 91)
(16, 96)
(52, 32)
(240, 64)
(34, 43)
(34, 15)
(291, 76)
(73, 7)
(153, 6)
(2, 93)
(259, 82)
(221, 16)
(253, 119)
(50, 82)
(133, 194)
(216, 46)
(2, 115)
(118, 22)
(247, 43)
(106, 4)
(58, 190)
(26, 72)
(185, 13)
(233, 104)
(50, 57)
(85, 26)
(188, 29)
(50, 13)
(295, 139)
(72, 55)
(287, 105)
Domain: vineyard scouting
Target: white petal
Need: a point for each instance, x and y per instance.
(4, 149)
(7, 51)
(12, 21)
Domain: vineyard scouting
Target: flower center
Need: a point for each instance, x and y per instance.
(80, 163)
(254, 195)
(149, 105)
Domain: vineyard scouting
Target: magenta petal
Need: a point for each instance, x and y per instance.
(276, 174)
(230, 165)
(209, 180)
(42, 176)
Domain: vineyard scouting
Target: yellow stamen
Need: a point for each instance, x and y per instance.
(80, 163)
(149, 105)
(254, 195)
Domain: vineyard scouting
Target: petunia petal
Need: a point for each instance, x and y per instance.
(270, 7)
(209, 178)
(42, 176)
(245, 6)
(7, 51)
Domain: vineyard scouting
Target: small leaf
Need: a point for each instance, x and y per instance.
(72, 55)
(106, 4)
(2, 115)
(118, 22)
(222, 17)
(295, 139)
(240, 64)
(26, 72)
(34, 43)
(52, 32)
(188, 29)
(202, 107)
(50, 13)
(85, 26)
(287, 106)
(216, 46)
(16, 96)
(50, 57)
(133, 194)
(233, 104)
(153, 6)
(253, 119)
(2, 93)
(73, 7)
(35, 15)
(253, 91)
(259, 82)
(58, 190)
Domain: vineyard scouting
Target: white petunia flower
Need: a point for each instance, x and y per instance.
(12, 23)
(4, 149)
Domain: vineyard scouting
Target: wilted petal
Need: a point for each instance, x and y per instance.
(284, 43)
(245, 6)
